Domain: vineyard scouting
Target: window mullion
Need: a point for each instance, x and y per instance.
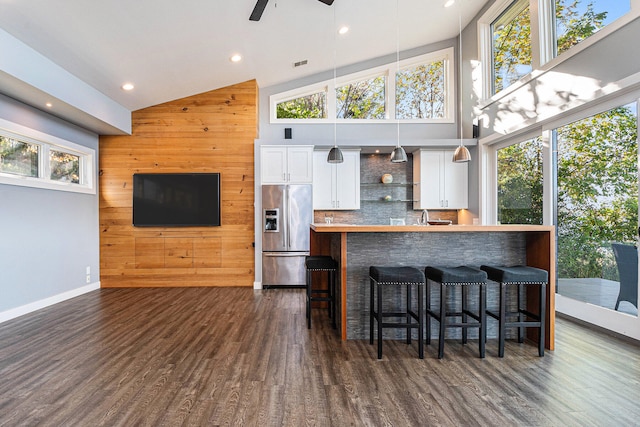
(44, 168)
(391, 108)
(547, 29)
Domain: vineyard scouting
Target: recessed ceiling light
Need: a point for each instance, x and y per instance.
(127, 86)
(49, 105)
(343, 30)
(449, 3)
(236, 58)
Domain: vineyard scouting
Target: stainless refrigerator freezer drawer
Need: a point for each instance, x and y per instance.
(283, 269)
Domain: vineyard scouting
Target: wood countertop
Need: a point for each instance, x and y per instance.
(350, 228)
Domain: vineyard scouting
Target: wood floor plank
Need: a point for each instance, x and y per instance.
(235, 356)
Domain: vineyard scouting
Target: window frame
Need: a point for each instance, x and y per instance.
(47, 143)
(388, 71)
(542, 43)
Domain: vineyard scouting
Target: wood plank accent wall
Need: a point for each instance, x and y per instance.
(209, 132)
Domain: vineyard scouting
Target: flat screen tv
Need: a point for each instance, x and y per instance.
(176, 200)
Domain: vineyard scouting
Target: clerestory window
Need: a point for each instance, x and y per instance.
(46, 162)
(418, 89)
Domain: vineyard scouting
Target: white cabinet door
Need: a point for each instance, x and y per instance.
(281, 164)
(336, 186)
(456, 183)
(442, 184)
(273, 163)
(322, 181)
(347, 181)
(300, 164)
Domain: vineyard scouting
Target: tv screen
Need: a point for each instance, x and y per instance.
(176, 200)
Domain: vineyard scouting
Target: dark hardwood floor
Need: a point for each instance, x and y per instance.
(235, 356)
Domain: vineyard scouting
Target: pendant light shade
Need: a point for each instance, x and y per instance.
(335, 155)
(398, 155)
(461, 155)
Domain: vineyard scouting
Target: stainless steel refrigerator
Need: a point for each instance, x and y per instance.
(287, 211)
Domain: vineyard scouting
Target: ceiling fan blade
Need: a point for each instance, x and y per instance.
(258, 9)
(327, 2)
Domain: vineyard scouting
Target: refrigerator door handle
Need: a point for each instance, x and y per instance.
(285, 254)
(288, 205)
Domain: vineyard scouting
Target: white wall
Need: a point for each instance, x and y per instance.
(47, 238)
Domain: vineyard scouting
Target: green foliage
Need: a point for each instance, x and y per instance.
(597, 158)
(361, 100)
(520, 183)
(571, 27)
(64, 167)
(17, 157)
(597, 191)
(511, 46)
(306, 107)
(420, 92)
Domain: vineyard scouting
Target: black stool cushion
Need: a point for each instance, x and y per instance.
(516, 274)
(455, 275)
(323, 262)
(396, 275)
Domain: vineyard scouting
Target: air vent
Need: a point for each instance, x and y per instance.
(300, 63)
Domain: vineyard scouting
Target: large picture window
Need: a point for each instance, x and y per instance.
(597, 206)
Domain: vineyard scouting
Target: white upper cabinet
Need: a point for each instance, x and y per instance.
(439, 182)
(286, 164)
(336, 186)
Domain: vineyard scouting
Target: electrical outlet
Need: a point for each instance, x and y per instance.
(88, 278)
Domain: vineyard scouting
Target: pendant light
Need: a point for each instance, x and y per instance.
(335, 154)
(461, 155)
(398, 155)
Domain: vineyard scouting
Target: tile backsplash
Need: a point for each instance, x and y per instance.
(380, 202)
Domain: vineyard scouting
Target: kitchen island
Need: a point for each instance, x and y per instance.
(356, 247)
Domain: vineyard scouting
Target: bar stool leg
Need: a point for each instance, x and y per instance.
(543, 295)
(443, 317)
(482, 334)
(408, 316)
(520, 315)
(372, 314)
(464, 312)
(308, 299)
(332, 288)
(427, 308)
(420, 323)
(502, 320)
(380, 320)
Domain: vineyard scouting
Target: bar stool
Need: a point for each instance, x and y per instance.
(321, 263)
(517, 276)
(465, 277)
(385, 277)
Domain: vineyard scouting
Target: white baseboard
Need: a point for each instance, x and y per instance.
(257, 285)
(37, 305)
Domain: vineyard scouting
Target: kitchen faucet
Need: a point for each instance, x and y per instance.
(424, 218)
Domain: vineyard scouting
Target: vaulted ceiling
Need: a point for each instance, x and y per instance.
(171, 49)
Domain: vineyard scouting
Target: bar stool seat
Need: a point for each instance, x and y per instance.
(385, 277)
(517, 276)
(313, 264)
(465, 277)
